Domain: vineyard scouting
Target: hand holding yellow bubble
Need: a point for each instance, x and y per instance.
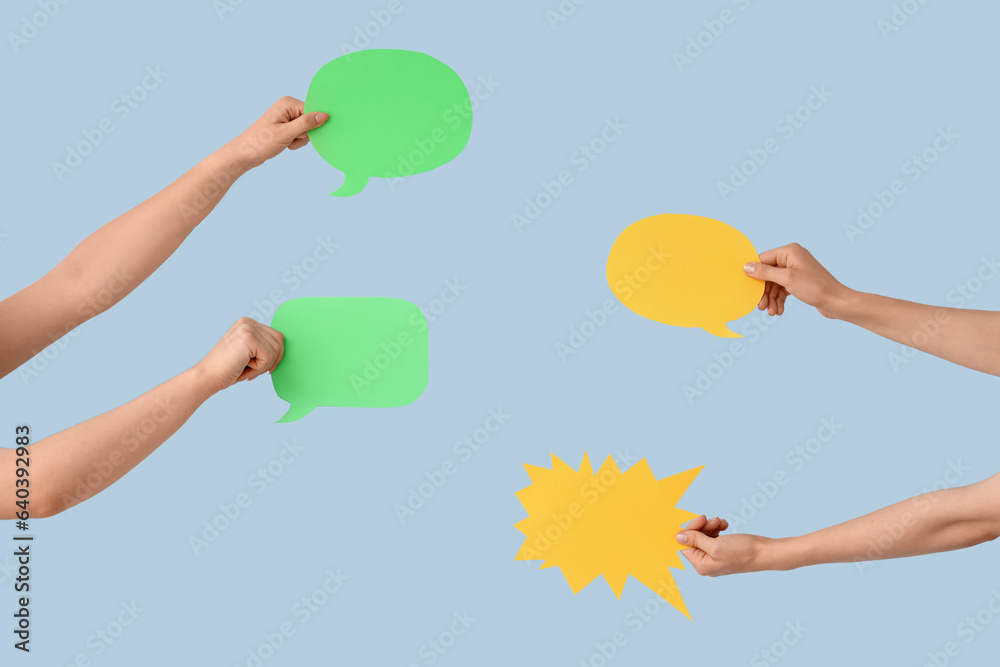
(684, 270)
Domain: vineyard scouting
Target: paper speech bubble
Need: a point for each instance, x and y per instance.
(684, 270)
(609, 522)
(393, 113)
(366, 352)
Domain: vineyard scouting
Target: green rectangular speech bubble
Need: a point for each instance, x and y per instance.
(358, 352)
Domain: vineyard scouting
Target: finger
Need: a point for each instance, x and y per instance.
(778, 256)
(703, 563)
(307, 121)
(263, 351)
(760, 271)
(772, 307)
(278, 342)
(696, 523)
(696, 539)
(711, 527)
(298, 143)
(782, 295)
(770, 256)
(694, 557)
(720, 525)
(288, 108)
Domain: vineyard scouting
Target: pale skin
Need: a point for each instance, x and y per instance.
(83, 460)
(938, 521)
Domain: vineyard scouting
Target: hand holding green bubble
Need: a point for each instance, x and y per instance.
(350, 352)
(393, 113)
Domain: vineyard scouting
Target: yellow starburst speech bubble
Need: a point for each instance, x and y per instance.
(609, 523)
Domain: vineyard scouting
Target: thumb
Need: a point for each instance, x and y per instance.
(696, 539)
(760, 271)
(302, 124)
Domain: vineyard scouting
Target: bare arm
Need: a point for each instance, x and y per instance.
(115, 259)
(83, 460)
(970, 338)
(932, 522)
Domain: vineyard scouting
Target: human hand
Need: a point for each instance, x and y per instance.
(714, 555)
(792, 269)
(248, 349)
(282, 126)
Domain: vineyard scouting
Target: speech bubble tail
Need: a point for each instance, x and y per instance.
(722, 330)
(295, 413)
(353, 184)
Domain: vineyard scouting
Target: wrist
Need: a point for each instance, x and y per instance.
(776, 554)
(200, 382)
(841, 304)
(229, 162)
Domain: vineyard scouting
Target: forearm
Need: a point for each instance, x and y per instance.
(929, 523)
(970, 338)
(83, 460)
(115, 259)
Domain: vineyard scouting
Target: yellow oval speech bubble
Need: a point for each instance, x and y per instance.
(684, 270)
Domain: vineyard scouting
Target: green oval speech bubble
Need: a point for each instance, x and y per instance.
(362, 352)
(393, 113)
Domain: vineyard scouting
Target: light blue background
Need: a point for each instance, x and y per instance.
(495, 345)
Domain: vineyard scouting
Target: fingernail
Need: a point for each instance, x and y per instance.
(682, 538)
(322, 117)
(748, 267)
